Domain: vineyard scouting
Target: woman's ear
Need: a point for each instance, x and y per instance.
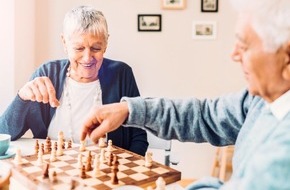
(63, 43)
(286, 71)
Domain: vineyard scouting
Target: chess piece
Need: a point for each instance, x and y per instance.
(36, 146)
(45, 171)
(96, 165)
(80, 161)
(160, 184)
(110, 159)
(42, 148)
(102, 142)
(53, 155)
(53, 177)
(82, 146)
(47, 147)
(102, 156)
(59, 151)
(110, 146)
(40, 156)
(83, 172)
(115, 170)
(69, 144)
(148, 159)
(89, 163)
(18, 158)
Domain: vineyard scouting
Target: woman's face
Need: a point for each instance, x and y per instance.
(85, 52)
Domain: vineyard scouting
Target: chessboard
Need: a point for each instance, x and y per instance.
(131, 170)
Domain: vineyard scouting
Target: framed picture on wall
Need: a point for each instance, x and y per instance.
(209, 5)
(173, 4)
(204, 30)
(149, 22)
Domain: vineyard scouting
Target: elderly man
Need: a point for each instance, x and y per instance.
(255, 120)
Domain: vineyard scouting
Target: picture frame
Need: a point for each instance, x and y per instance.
(204, 30)
(209, 5)
(173, 4)
(149, 22)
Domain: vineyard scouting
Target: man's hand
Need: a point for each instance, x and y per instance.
(39, 89)
(104, 119)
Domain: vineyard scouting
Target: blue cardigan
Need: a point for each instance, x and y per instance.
(116, 79)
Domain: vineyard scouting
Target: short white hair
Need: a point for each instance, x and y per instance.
(85, 19)
(271, 20)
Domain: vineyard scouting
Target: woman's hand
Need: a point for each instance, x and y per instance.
(39, 89)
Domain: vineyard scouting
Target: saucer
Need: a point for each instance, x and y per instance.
(10, 152)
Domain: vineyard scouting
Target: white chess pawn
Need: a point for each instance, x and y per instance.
(17, 158)
(82, 146)
(53, 155)
(80, 161)
(148, 159)
(40, 157)
(160, 184)
(110, 146)
(96, 165)
(59, 151)
(103, 156)
(102, 142)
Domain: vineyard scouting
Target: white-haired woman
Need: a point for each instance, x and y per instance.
(61, 93)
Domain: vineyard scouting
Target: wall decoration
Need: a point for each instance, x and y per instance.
(173, 4)
(209, 5)
(149, 22)
(205, 30)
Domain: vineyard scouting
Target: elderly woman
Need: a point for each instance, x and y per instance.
(61, 93)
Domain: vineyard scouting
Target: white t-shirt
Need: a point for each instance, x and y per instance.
(76, 102)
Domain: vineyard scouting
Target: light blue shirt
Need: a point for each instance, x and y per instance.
(259, 131)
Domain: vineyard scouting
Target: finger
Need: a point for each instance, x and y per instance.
(90, 124)
(28, 94)
(36, 95)
(51, 94)
(99, 131)
(43, 90)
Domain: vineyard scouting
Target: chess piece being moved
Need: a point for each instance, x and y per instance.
(148, 159)
(83, 146)
(102, 142)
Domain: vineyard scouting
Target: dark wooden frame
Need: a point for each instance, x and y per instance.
(144, 26)
(205, 9)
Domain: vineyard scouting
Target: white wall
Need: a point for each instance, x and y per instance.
(17, 47)
(167, 63)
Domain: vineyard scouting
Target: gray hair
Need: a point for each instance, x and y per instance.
(85, 19)
(270, 20)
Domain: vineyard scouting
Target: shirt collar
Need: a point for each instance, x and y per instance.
(281, 106)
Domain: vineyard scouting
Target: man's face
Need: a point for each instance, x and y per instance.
(263, 70)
